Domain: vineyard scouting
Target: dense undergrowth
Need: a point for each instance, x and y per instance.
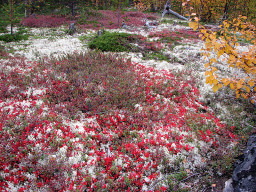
(95, 121)
(123, 42)
(141, 119)
(90, 19)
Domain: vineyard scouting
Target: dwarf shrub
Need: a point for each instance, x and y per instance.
(120, 42)
(97, 83)
(115, 42)
(44, 21)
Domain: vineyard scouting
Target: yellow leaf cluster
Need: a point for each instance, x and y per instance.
(141, 5)
(193, 25)
(226, 45)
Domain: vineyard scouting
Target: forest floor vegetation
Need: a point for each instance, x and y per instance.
(135, 115)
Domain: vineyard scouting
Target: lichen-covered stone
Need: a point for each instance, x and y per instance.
(244, 175)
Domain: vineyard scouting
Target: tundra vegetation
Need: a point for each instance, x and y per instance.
(107, 108)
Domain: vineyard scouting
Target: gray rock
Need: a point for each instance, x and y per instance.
(124, 25)
(228, 186)
(100, 33)
(244, 175)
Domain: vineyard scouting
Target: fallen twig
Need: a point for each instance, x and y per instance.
(190, 176)
(250, 125)
(206, 189)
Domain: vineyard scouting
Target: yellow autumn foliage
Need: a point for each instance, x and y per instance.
(225, 43)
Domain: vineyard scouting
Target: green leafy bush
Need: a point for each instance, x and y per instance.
(116, 42)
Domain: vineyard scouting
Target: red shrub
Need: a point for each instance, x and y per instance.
(109, 19)
(106, 18)
(44, 21)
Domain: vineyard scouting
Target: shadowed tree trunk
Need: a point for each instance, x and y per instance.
(73, 7)
(130, 2)
(11, 14)
(201, 8)
(226, 9)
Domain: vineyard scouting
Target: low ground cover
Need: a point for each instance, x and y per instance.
(44, 21)
(89, 121)
(90, 19)
(124, 42)
(141, 121)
